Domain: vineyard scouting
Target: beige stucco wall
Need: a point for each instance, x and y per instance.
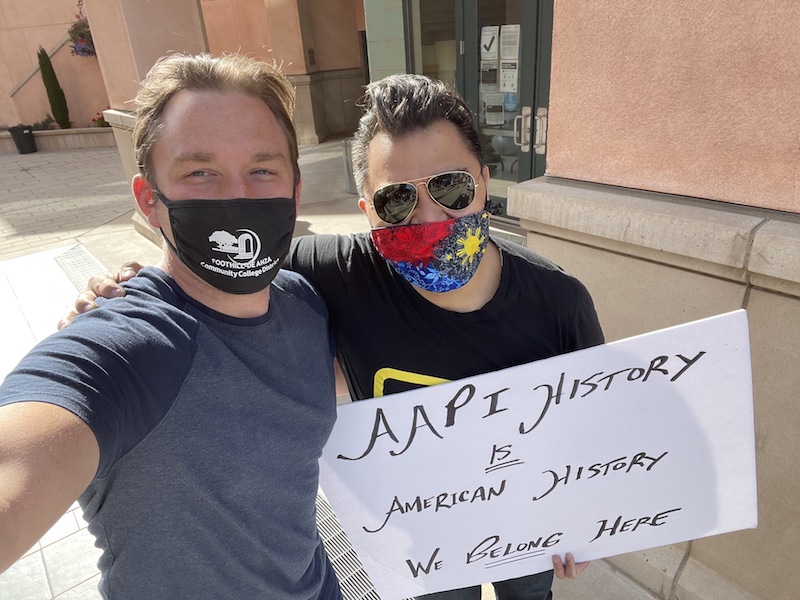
(237, 26)
(78, 76)
(286, 30)
(316, 43)
(652, 261)
(256, 28)
(673, 193)
(131, 36)
(336, 39)
(24, 26)
(690, 98)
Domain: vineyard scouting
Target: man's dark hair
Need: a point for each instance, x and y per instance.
(399, 105)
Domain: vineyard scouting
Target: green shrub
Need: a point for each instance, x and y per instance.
(58, 102)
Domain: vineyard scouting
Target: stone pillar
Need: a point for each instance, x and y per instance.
(292, 36)
(130, 36)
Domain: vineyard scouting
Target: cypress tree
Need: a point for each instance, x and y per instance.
(58, 102)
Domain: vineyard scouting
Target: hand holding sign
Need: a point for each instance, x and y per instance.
(568, 568)
(641, 443)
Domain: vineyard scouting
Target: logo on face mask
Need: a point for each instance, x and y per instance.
(242, 253)
(243, 248)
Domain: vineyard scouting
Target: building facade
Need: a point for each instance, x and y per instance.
(24, 27)
(656, 155)
(671, 190)
(318, 44)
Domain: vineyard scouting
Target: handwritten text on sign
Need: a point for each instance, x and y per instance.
(636, 444)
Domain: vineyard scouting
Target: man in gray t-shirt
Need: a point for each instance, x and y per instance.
(189, 416)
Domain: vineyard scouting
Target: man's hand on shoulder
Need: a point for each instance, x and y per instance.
(104, 286)
(568, 568)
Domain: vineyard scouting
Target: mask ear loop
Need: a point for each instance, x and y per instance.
(494, 208)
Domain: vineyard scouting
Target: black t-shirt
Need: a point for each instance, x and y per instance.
(390, 339)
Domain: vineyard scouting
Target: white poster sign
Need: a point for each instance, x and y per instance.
(509, 75)
(494, 108)
(509, 41)
(488, 76)
(641, 443)
(490, 42)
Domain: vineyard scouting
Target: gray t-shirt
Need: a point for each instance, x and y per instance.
(209, 428)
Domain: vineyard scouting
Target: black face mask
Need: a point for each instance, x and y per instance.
(238, 245)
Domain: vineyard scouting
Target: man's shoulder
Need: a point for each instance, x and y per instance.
(294, 287)
(322, 247)
(530, 268)
(153, 307)
(327, 260)
(151, 284)
(526, 258)
(292, 283)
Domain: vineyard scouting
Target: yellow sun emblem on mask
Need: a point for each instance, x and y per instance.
(469, 245)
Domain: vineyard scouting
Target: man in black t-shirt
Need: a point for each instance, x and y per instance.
(427, 295)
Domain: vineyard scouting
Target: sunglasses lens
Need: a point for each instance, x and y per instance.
(452, 190)
(395, 202)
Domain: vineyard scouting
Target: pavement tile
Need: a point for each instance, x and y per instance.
(15, 327)
(35, 548)
(25, 580)
(64, 527)
(84, 591)
(599, 581)
(71, 561)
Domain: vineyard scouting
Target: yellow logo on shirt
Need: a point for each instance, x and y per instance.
(389, 374)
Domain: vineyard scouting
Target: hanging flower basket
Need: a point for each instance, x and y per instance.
(80, 37)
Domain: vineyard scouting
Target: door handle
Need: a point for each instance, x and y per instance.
(540, 131)
(522, 129)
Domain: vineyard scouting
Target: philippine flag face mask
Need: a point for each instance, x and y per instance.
(436, 257)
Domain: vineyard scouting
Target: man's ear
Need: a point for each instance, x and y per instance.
(372, 217)
(145, 199)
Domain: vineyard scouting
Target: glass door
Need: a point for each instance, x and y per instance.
(431, 25)
(504, 74)
(497, 54)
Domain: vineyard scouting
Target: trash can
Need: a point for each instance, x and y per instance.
(23, 138)
(349, 178)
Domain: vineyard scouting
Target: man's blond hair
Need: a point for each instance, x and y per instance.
(203, 72)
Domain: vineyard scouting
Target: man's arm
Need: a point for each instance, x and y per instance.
(48, 456)
(108, 286)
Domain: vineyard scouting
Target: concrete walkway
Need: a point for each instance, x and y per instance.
(67, 215)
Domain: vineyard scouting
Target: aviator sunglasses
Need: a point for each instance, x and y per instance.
(453, 190)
